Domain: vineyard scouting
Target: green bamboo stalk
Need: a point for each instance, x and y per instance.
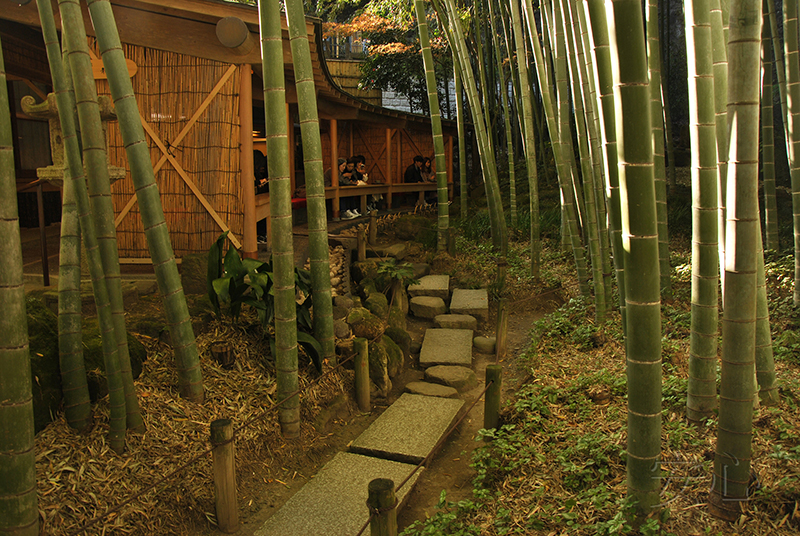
(506, 110)
(187, 359)
(74, 386)
(583, 117)
(768, 392)
(443, 221)
(72, 153)
(315, 184)
(640, 234)
(768, 135)
(654, 65)
(19, 514)
(280, 206)
(792, 114)
(720, 58)
(701, 398)
(598, 29)
(96, 165)
(734, 432)
(462, 141)
(529, 139)
(455, 37)
(568, 176)
(780, 68)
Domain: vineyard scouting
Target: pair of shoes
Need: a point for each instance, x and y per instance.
(356, 212)
(370, 208)
(261, 239)
(348, 215)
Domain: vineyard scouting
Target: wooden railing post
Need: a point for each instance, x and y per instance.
(491, 411)
(362, 374)
(502, 330)
(224, 457)
(373, 228)
(361, 238)
(383, 507)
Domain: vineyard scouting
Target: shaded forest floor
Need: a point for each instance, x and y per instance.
(556, 467)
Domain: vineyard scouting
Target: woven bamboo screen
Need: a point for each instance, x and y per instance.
(169, 89)
(347, 74)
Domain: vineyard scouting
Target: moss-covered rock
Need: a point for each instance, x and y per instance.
(397, 318)
(401, 338)
(365, 324)
(45, 372)
(368, 287)
(378, 368)
(395, 362)
(367, 269)
(194, 272)
(411, 227)
(377, 304)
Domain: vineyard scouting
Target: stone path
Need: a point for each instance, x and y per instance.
(333, 502)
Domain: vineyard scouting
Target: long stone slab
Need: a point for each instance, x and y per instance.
(473, 302)
(409, 429)
(333, 503)
(437, 286)
(446, 347)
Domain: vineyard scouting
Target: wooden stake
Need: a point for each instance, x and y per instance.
(373, 228)
(502, 330)
(362, 245)
(451, 242)
(225, 475)
(362, 374)
(491, 411)
(383, 507)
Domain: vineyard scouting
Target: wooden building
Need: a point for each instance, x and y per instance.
(197, 66)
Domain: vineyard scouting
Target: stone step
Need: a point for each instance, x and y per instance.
(446, 347)
(409, 429)
(485, 345)
(333, 503)
(437, 286)
(474, 302)
(427, 306)
(455, 322)
(431, 389)
(458, 378)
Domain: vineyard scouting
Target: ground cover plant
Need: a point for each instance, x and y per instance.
(557, 464)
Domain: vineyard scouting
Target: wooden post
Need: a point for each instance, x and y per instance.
(362, 374)
(335, 166)
(383, 507)
(502, 330)
(451, 241)
(491, 411)
(388, 178)
(373, 228)
(225, 475)
(249, 243)
(362, 245)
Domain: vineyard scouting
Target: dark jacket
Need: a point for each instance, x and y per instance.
(412, 174)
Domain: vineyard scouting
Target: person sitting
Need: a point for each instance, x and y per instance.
(347, 205)
(260, 172)
(426, 171)
(413, 172)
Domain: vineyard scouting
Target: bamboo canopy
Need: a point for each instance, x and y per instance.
(188, 89)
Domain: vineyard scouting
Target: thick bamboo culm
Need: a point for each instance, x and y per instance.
(362, 374)
(169, 89)
(224, 463)
(491, 412)
(382, 504)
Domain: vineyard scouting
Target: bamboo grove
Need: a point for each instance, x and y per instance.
(579, 80)
(585, 76)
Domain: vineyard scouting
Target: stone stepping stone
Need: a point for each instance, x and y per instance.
(446, 347)
(398, 251)
(471, 302)
(459, 378)
(455, 322)
(437, 286)
(409, 429)
(431, 389)
(333, 502)
(420, 269)
(427, 306)
(485, 345)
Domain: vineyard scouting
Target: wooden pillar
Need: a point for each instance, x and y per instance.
(389, 178)
(249, 243)
(224, 460)
(383, 507)
(290, 136)
(335, 165)
(449, 151)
